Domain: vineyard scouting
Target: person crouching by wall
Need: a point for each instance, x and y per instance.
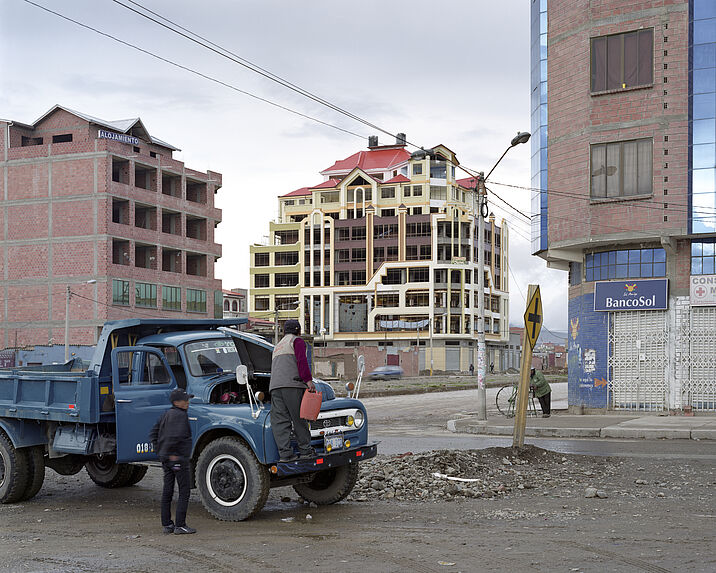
(543, 391)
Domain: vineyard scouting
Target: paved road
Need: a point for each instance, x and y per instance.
(417, 423)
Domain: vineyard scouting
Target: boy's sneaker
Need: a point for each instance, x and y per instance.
(184, 529)
(169, 529)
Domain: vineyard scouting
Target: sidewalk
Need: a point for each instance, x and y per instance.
(628, 426)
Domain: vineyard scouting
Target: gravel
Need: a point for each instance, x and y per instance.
(496, 473)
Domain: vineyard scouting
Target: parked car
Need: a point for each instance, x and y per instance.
(385, 372)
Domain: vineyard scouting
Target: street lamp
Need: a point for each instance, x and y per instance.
(67, 318)
(481, 193)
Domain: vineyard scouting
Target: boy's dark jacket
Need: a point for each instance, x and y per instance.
(171, 435)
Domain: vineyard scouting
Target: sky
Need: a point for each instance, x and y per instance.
(453, 73)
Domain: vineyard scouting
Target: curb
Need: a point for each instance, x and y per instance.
(610, 432)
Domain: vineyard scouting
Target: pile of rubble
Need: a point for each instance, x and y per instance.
(494, 472)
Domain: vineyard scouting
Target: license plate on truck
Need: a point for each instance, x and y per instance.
(333, 442)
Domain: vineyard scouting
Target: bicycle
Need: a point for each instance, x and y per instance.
(506, 401)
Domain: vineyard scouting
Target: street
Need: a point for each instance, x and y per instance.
(527, 513)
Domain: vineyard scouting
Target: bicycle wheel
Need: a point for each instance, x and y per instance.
(505, 401)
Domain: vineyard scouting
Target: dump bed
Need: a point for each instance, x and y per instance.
(60, 395)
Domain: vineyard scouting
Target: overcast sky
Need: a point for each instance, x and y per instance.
(453, 72)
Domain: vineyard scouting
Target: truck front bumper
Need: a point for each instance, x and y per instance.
(324, 462)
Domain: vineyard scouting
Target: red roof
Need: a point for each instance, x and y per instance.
(468, 182)
(397, 179)
(372, 159)
(301, 191)
(330, 184)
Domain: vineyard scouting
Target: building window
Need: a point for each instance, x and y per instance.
(387, 212)
(358, 255)
(171, 298)
(406, 191)
(621, 169)
(120, 292)
(387, 193)
(358, 234)
(358, 277)
(417, 169)
(438, 192)
(703, 258)
(261, 259)
(195, 300)
(622, 61)
(261, 281)
(419, 275)
(391, 300)
(145, 295)
(417, 190)
(288, 258)
(218, 297)
(417, 229)
(64, 138)
(261, 303)
(625, 264)
(286, 279)
(385, 231)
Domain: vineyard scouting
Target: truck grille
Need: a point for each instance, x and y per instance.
(326, 423)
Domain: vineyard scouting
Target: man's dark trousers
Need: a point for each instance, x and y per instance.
(545, 403)
(183, 479)
(285, 412)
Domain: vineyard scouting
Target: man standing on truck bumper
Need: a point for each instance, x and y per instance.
(172, 438)
(290, 377)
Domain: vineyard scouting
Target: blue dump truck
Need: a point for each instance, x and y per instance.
(67, 418)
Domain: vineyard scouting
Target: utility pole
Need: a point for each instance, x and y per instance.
(67, 324)
(481, 193)
(481, 391)
(275, 325)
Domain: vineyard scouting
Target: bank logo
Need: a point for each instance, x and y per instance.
(630, 289)
(574, 323)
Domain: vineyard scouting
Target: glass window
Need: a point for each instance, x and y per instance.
(171, 298)
(120, 292)
(146, 295)
(621, 169)
(703, 258)
(210, 357)
(195, 300)
(622, 61)
(632, 263)
(417, 169)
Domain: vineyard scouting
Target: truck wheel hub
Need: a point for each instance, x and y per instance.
(226, 480)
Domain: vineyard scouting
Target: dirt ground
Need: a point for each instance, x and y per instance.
(658, 516)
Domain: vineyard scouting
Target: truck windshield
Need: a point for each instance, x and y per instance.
(209, 357)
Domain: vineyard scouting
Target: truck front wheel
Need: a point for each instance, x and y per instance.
(106, 472)
(14, 471)
(329, 486)
(232, 484)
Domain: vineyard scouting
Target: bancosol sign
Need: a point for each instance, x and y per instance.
(631, 295)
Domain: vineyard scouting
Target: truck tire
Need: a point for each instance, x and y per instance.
(232, 484)
(138, 473)
(36, 473)
(329, 486)
(14, 470)
(105, 472)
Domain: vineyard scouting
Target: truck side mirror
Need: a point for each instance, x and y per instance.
(242, 374)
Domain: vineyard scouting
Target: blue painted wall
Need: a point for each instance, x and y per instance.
(587, 353)
(53, 354)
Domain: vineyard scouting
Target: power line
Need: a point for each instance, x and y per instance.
(232, 56)
(193, 71)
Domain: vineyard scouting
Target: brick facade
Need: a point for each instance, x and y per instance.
(77, 207)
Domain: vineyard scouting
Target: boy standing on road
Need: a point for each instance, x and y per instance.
(543, 391)
(171, 437)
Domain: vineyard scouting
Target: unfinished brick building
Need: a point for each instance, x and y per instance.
(101, 212)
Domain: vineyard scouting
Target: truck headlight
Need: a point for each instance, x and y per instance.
(350, 420)
(358, 419)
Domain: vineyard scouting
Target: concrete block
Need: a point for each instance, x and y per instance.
(703, 434)
(646, 433)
